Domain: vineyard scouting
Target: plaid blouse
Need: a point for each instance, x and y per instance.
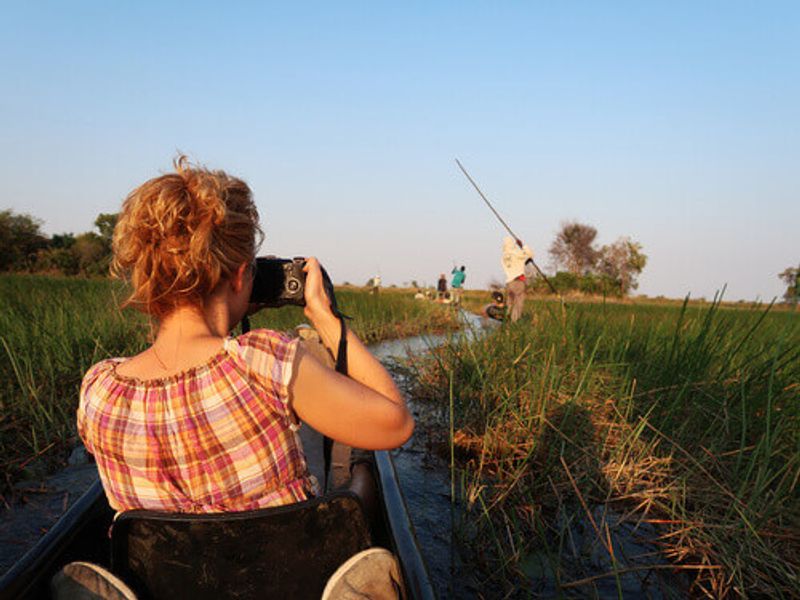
(215, 438)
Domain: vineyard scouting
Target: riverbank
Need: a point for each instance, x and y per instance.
(616, 449)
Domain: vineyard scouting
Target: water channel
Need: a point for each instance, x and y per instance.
(425, 476)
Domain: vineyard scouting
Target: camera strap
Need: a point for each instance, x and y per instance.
(341, 353)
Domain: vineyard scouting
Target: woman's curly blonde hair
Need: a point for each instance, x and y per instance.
(180, 234)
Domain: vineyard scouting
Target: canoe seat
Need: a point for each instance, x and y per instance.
(283, 552)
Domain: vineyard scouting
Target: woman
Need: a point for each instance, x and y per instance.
(202, 422)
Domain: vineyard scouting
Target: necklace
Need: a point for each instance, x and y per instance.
(158, 358)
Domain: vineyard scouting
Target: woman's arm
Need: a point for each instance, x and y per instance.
(365, 410)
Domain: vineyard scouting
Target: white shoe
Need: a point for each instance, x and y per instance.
(85, 581)
(372, 574)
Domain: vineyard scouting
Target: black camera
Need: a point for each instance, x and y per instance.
(279, 281)
(282, 281)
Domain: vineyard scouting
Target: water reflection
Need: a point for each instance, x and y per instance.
(404, 347)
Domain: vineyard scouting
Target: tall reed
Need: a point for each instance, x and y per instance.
(683, 422)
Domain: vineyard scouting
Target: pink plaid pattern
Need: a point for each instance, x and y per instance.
(215, 438)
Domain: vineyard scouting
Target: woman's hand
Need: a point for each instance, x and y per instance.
(318, 305)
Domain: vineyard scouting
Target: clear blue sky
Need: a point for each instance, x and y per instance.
(676, 123)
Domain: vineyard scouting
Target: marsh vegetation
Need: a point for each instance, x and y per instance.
(606, 448)
(594, 448)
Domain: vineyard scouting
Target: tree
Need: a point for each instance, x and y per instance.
(574, 248)
(92, 253)
(623, 261)
(58, 259)
(23, 247)
(20, 240)
(791, 277)
(63, 240)
(105, 223)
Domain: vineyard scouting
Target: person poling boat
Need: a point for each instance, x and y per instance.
(516, 257)
(201, 421)
(515, 239)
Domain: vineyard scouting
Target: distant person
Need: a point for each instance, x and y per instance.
(515, 258)
(441, 287)
(457, 283)
(376, 285)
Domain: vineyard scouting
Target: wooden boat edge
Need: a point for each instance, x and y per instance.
(24, 578)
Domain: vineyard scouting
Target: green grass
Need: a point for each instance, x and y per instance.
(684, 418)
(53, 329)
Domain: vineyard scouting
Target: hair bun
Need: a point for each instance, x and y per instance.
(179, 234)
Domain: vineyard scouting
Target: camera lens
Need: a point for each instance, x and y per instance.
(293, 285)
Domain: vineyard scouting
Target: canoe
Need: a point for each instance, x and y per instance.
(246, 551)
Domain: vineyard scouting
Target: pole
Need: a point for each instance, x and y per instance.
(499, 218)
(489, 204)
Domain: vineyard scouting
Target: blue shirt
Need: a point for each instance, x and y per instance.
(458, 278)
